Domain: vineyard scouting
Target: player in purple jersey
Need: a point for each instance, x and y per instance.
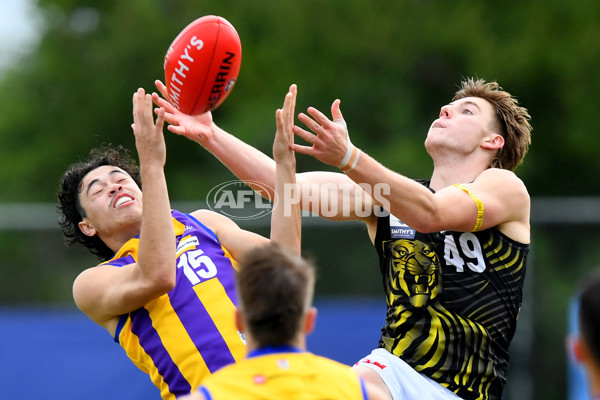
(165, 287)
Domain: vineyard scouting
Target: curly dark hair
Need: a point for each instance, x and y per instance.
(69, 208)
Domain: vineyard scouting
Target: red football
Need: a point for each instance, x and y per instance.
(202, 64)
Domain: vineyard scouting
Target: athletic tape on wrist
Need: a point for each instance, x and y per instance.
(353, 160)
(350, 158)
(349, 151)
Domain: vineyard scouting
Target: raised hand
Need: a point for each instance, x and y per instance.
(286, 220)
(195, 127)
(329, 138)
(284, 137)
(149, 137)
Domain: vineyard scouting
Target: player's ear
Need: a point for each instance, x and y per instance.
(239, 321)
(579, 349)
(310, 320)
(86, 227)
(494, 141)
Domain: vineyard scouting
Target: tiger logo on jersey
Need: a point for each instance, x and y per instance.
(452, 298)
(414, 272)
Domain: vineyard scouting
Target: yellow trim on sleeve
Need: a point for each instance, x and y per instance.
(479, 204)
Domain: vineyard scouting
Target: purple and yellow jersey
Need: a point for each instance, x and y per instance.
(276, 373)
(185, 335)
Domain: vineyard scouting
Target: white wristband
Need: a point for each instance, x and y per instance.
(349, 152)
(352, 161)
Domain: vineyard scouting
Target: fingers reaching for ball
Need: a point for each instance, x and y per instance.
(284, 137)
(328, 140)
(149, 138)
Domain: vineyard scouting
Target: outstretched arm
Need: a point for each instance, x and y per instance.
(502, 199)
(157, 236)
(285, 218)
(246, 162)
(333, 192)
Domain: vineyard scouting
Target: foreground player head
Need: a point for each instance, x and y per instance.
(275, 291)
(587, 345)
